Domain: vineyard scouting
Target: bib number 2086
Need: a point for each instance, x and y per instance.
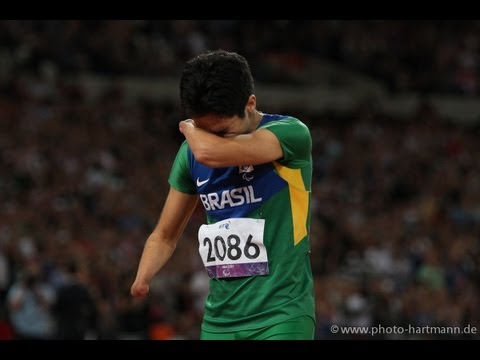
(220, 248)
(233, 248)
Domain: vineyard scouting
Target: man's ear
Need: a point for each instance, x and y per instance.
(251, 103)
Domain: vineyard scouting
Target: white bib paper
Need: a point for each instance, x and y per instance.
(233, 248)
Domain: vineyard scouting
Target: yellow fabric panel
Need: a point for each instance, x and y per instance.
(298, 199)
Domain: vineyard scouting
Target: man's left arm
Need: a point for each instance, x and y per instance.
(258, 147)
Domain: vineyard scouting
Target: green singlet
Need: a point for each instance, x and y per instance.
(255, 244)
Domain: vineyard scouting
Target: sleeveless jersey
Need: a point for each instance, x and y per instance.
(278, 195)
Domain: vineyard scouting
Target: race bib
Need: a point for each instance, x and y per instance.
(233, 248)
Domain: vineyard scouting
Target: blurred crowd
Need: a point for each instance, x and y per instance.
(407, 56)
(82, 185)
(395, 204)
(395, 218)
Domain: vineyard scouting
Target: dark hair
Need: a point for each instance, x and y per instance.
(216, 83)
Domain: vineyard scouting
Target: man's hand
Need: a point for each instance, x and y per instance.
(139, 289)
(186, 125)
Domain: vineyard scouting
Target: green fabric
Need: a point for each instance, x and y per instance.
(300, 328)
(295, 140)
(247, 303)
(180, 178)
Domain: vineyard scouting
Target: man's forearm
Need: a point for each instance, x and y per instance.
(204, 145)
(155, 254)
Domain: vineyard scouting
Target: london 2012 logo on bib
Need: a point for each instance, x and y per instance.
(246, 171)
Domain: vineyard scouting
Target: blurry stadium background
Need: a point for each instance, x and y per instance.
(89, 115)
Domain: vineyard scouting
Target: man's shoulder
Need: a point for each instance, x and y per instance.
(280, 120)
(285, 123)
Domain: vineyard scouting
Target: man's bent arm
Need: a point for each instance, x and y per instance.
(162, 241)
(258, 147)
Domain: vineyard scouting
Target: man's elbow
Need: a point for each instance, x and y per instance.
(206, 157)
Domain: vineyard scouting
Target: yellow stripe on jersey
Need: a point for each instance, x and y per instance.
(298, 200)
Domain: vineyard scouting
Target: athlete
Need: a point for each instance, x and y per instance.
(252, 173)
